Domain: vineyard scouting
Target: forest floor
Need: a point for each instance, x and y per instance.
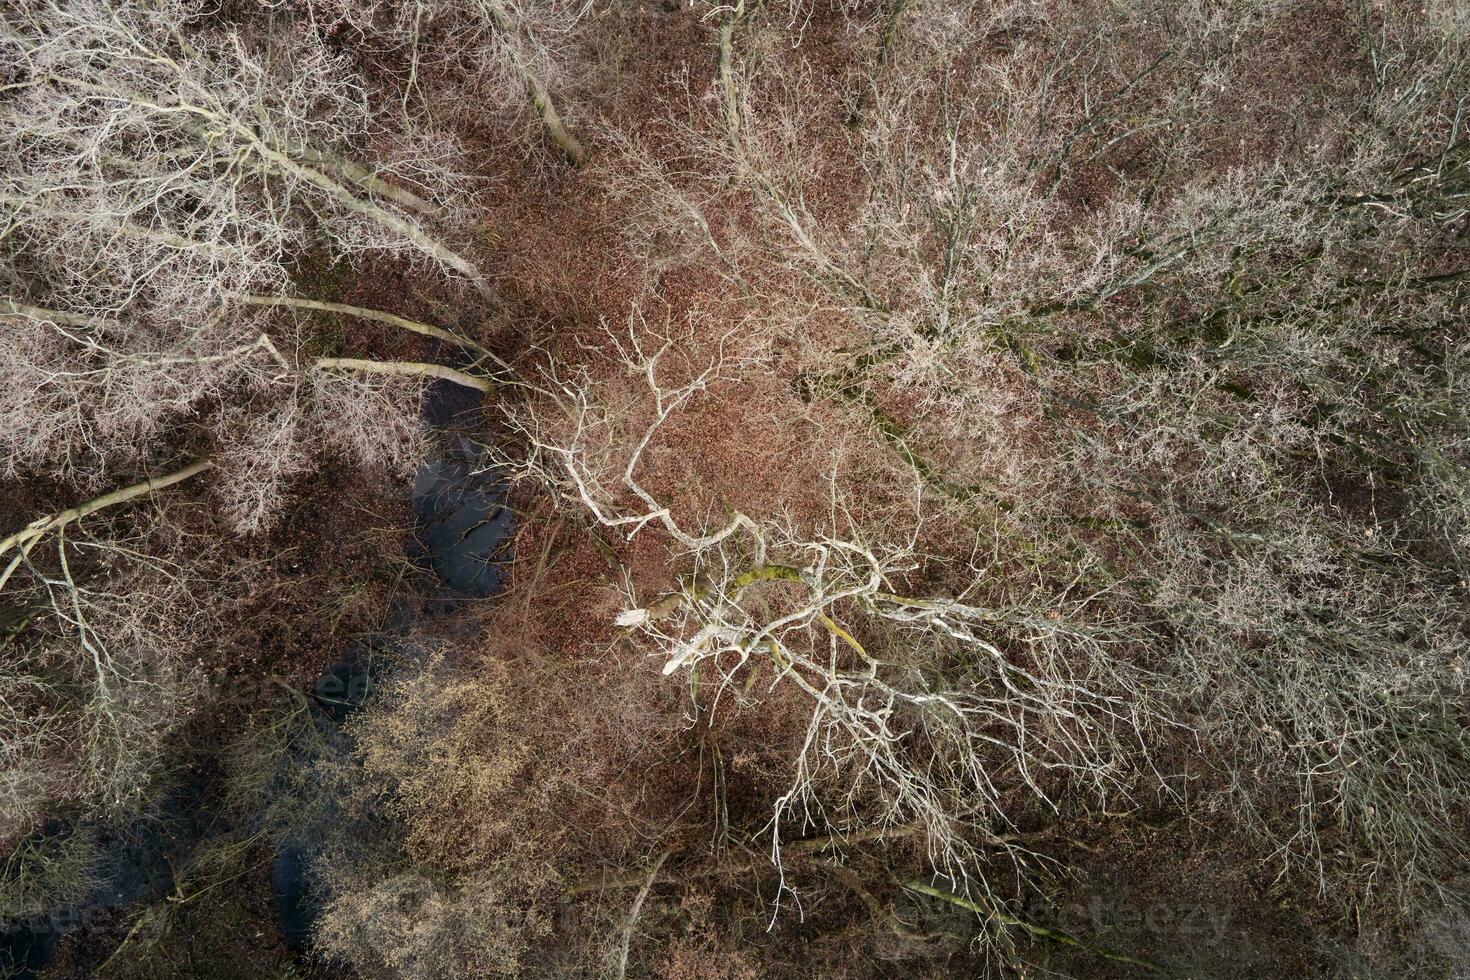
(1160, 885)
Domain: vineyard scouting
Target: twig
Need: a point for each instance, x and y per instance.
(500, 19)
(407, 368)
(24, 540)
(1041, 932)
(627, 937)
(416, 326)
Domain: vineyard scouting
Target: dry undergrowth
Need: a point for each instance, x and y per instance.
(952, 440)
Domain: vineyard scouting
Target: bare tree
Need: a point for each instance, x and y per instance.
(1151, 391)
(209, 183)
(516, 50)
(916, 700)
(162, 172)
(134, 219)
(117, 615)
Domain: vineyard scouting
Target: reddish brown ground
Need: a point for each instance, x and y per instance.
(554, 245)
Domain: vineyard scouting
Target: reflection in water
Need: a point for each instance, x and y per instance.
(463, 529)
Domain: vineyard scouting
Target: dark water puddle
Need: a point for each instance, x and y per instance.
(295, 909)
(137, 861)
(139, 858)
(342, 689)
(464, 523)
(24, 950)
(26, 946)
(463, 530)
(350, 682)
